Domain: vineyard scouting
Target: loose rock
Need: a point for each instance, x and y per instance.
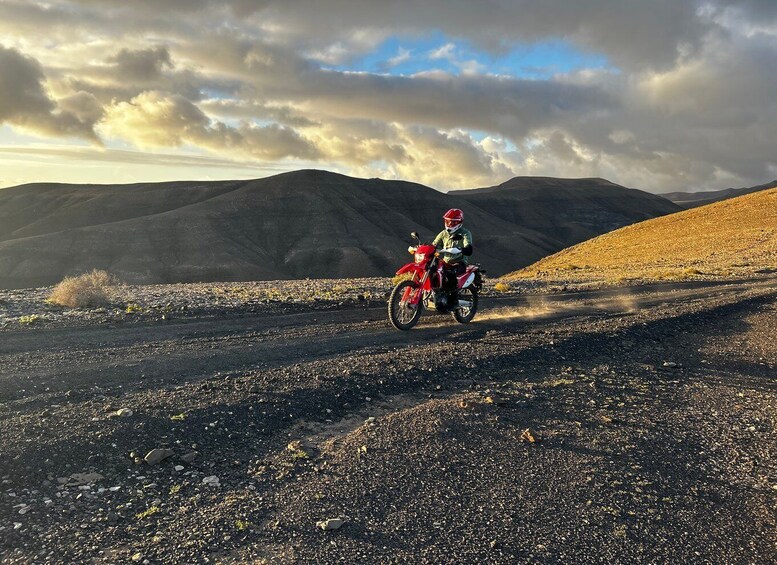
(78, 479)
(157, 455)
(330, 524)
(530, 436)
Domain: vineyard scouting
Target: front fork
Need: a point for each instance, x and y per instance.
(412, 296)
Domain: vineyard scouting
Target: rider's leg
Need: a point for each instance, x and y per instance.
(454, 272)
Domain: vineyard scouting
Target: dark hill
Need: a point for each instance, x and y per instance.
(294, 225)
(573, 210)
(694, 199)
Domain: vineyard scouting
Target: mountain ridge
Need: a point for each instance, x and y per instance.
(575, 209)
(308, 223)
(700, 198)
(533, 182)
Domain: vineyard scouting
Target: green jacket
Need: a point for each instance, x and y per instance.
(461, 238)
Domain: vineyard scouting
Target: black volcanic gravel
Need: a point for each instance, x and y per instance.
(653, 412)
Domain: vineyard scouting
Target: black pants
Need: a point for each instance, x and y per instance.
(453, 270)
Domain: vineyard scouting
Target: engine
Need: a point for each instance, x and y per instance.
(442, 301)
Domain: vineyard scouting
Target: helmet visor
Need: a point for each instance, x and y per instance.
(451, 222)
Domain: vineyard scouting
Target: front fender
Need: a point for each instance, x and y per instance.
(411, 268)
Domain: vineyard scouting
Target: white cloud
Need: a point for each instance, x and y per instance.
(159, 119)
(402, 56)
(447, 52)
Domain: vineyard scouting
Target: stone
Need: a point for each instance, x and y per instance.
(330, 524)
(79, 479)
(158, 455)
(295, 445)
(189, 457)
(212, 481)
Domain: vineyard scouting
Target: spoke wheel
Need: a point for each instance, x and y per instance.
(465, 315)
(403, 315)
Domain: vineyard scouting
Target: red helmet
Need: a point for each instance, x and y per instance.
(453, 219)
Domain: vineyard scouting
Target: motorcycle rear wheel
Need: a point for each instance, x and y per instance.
(402, 315)
(465, 315)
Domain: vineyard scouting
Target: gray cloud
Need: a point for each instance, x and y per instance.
(129, 72)
(502, 104)
(756, 11)
(629, 31)
(143, 65)
(21, 90)
(256, 109)
(24, 101)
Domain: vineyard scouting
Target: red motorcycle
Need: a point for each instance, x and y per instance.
(431, 285)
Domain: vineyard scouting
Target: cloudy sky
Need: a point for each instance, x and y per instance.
(660, 95)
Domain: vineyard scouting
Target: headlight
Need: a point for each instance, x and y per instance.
(420, 257)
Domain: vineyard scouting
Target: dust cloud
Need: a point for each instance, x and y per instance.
(545, 306)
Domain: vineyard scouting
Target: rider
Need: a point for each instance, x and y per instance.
(456, 244)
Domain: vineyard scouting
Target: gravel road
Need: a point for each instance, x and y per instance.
(617, 425)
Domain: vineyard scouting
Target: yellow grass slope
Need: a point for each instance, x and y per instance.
(736, 236)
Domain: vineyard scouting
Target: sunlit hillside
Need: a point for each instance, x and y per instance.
(736, 236)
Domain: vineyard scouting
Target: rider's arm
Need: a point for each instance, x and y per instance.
(438, 240)
(466, 245)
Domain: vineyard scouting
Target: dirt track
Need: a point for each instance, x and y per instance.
(654, 409)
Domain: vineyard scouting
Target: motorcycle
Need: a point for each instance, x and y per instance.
(429, 286)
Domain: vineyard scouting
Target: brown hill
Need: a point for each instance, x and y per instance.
(294, 225)
(694, 199)
(739, 234)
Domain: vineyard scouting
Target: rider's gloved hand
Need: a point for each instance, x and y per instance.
(451, 250)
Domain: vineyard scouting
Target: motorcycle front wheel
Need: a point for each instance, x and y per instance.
(464, 314)
(403, 315)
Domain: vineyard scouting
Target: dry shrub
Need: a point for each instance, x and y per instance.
(89, 290)
(399, 278)
(502, 287)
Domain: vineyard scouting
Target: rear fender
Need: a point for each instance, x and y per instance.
(471, 275)
(467, 280)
